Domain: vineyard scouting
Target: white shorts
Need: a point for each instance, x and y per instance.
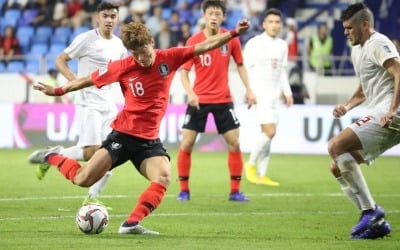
(94, 124)
(266, 112)
(374, 139)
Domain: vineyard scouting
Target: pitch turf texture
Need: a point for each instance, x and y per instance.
(308, 210)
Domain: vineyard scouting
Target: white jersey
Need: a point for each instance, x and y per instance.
(266, 60)
(376, 82)
(94, 52)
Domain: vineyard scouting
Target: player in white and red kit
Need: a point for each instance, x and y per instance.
(211, 94)
(377, 65)
(145, 79)
(94, 108)
(266, 58)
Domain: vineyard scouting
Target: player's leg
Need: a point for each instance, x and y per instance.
(343, 149)
(344, 185)
(228, 126)
(94, 132)
(235, 164)
(268, 131)
(184, 163)
(194, 123)
(157, 170)
(95, 168)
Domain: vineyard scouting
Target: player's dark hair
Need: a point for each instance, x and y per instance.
(135, 35)
(214, 3)
(107, 6)
(359, 12)
(273, 11)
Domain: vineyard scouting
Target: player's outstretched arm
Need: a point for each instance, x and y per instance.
(220, 39)
(79, 83)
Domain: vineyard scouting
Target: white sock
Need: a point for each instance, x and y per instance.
(351, 172)
(74, 152)
(263, 161)
(260, 145)
(347, 191)
(95, 189)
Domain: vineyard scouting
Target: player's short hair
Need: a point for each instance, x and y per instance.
(214, 3)
(359, 12)
(273, 11)
(135, 35)
(107, 6)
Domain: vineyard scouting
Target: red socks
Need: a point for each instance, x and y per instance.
(67, 167)
(147, 202)
(184, 163)
(235, 164)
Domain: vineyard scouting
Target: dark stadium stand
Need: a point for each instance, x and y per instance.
(40, 44)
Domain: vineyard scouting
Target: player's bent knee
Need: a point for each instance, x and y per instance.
(332, 148)
(165, 180)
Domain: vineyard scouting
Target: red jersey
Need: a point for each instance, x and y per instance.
(146, 90)
(211, 68)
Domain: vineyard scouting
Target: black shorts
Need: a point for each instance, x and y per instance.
(224, 116)
(123, 147)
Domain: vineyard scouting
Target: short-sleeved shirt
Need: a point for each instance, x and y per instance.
(146, 90)
(211, 68)
(94, 52)
(266, 58)
(376, 82)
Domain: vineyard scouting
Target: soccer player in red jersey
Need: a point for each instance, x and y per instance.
(211, 94)
(145, 79)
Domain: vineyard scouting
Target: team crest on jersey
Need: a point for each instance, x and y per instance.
(224, 49)
(163, 69)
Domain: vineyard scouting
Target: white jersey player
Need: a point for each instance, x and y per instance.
(266, 58)
(377, 65)
(95, 108)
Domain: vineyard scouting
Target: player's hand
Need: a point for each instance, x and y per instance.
(387, 119)
(193, 100)
(339, 110)
(46, 89)
(289, 101)
(242, 26)
(250, 99)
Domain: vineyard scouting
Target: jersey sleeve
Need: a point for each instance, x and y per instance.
(189, 63)
(77, 46)
(102, 77)
(249, 54)
(181, 55)
(382, 51)
(237, 51)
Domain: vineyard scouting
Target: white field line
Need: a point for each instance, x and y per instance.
(200, 196)
(192, 214)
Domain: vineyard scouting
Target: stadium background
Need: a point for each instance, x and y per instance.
(27, 120)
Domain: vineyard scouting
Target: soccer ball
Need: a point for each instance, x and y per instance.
(92, 218)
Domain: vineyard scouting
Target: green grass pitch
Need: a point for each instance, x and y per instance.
(308, 210)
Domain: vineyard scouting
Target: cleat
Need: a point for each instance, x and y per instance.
(136, 229)
(95, 200)
(378, 230)
(250, 172)
(238, 196)
(267, 182)
(183, 196)
(41, 170)
(40, 156)
(368, 219)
